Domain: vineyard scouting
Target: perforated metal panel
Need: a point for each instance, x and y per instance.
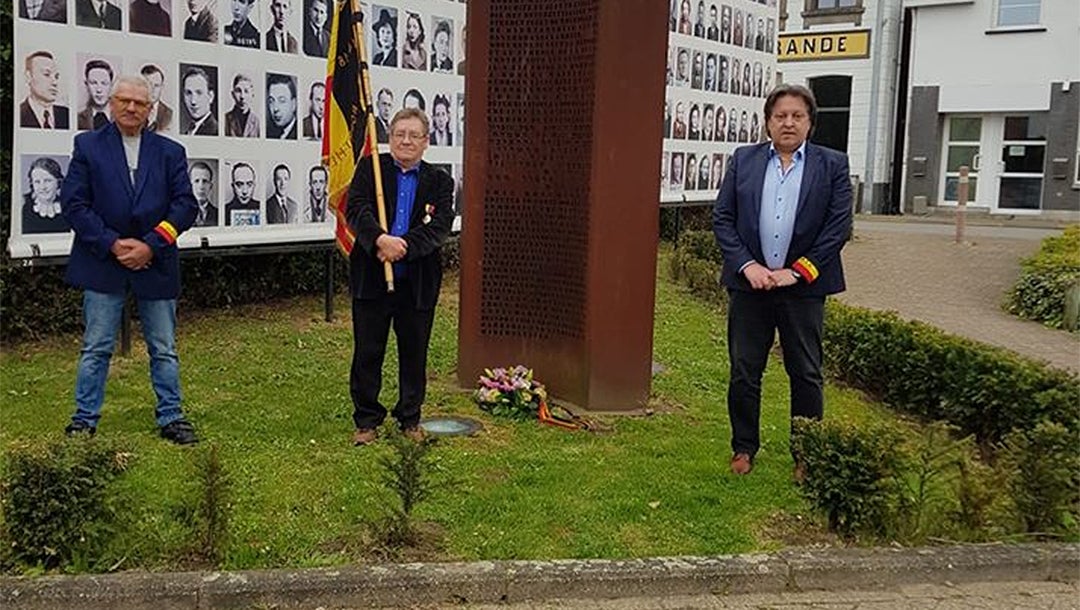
(536, 199)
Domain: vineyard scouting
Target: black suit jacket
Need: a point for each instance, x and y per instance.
(85, 15)
(27, 118)
(309, 126)
(147, 18)
(51, 10)
(316, 45)
(429, 226)
(822, 217)
(272, 43)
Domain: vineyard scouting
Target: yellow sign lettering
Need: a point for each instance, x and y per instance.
(850, 44)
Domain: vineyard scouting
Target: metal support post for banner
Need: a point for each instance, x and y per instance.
(328, 302)
(961, 203)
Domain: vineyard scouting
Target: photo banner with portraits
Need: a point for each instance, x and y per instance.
(721, 65)
(240, 83)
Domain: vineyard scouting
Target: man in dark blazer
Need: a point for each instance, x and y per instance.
(98, 78)
(44, 10)
(419, 214)
(97, 14)
(43, 81)
(781, 218)
(127, 197)
(313, 122)
(240, 32)
(201, 23)
(316, 34)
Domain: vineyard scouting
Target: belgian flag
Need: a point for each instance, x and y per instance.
(345, 116)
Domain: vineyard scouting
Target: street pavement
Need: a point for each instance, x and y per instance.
(918, 270)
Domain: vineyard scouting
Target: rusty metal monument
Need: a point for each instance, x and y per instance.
(564, 113)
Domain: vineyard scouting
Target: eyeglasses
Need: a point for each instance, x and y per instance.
(412, 135)
(125, 101)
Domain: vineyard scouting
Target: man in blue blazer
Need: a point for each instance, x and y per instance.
(127, 196)
(781, 218)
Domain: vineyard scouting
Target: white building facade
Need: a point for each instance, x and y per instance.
(994, 86)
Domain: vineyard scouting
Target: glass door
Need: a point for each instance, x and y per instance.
(963, 141)
(1020, 161)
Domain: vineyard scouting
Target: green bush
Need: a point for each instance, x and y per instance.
(1044, 470)
(851, 472)
(1039, 292)
(911, 366)
(696, 263)
(58, 503)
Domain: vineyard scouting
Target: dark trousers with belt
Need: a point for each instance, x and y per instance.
(372, 320)
(753, 321)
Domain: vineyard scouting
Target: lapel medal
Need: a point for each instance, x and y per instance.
(428, 211)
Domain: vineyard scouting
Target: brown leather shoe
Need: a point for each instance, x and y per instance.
(415, 434)
(364, 436)
(741, 463)
(799, 474)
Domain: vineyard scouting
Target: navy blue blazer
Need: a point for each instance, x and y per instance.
(102, 205)
(822, 219)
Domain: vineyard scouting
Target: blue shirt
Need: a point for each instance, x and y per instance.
(779, 198)
(407, 180)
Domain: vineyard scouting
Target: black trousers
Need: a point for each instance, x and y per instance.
(753, 320)
(372, 320)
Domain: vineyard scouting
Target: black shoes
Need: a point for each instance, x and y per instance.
(180, 432)
(78, 428)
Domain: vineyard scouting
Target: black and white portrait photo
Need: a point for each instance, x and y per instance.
(281, 204)
(315, 203)
(698, 69)
(161, 113)
(152, 17)
(42, 177)
(53, 11)
(198, 93)
(280, 106)
(242, 120)
(442, 45)
(460, 119)
(682, 67)
(413, 99)
(239, 30)
(101, 14)
(384, 111)
(279, 38)
(414, 55)
(204, 184)
(384, 36)
(44, 105)
(98, 73)
(442, 126)
(725, 24)
(316, 38)
(243, 209)
(316, 105)
(201, 23)
(676, 173)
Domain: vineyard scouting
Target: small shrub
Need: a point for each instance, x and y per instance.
(850, 472)
(1039, 292)
(1044, 477)
(58, 502)
(212, 511)
(407, 473)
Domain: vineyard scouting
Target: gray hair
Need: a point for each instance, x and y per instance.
(134, 80)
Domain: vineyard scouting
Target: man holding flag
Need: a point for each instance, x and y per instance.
(396, 270)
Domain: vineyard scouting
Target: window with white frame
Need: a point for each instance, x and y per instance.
(1013, 13)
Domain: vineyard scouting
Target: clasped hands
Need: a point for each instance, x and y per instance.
(132, 253)
(763, 278)
(390, 248)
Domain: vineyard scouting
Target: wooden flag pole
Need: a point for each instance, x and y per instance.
(364, 81)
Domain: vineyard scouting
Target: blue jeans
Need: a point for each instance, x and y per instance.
(101, 315)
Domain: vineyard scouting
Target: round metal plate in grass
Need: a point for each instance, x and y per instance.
(451, 426)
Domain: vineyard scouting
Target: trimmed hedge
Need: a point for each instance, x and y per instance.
(982, 390)
(1039, 292)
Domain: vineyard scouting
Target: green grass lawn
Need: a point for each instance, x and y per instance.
(269, 386)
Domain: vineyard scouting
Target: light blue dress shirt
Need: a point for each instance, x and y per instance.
(779, 198)
(406, 197)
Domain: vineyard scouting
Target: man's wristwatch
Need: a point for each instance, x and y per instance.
(796, 275)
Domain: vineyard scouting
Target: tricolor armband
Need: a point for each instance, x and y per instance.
(166, 231)
(806, 269)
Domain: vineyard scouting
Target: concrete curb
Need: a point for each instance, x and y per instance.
(398, 585)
